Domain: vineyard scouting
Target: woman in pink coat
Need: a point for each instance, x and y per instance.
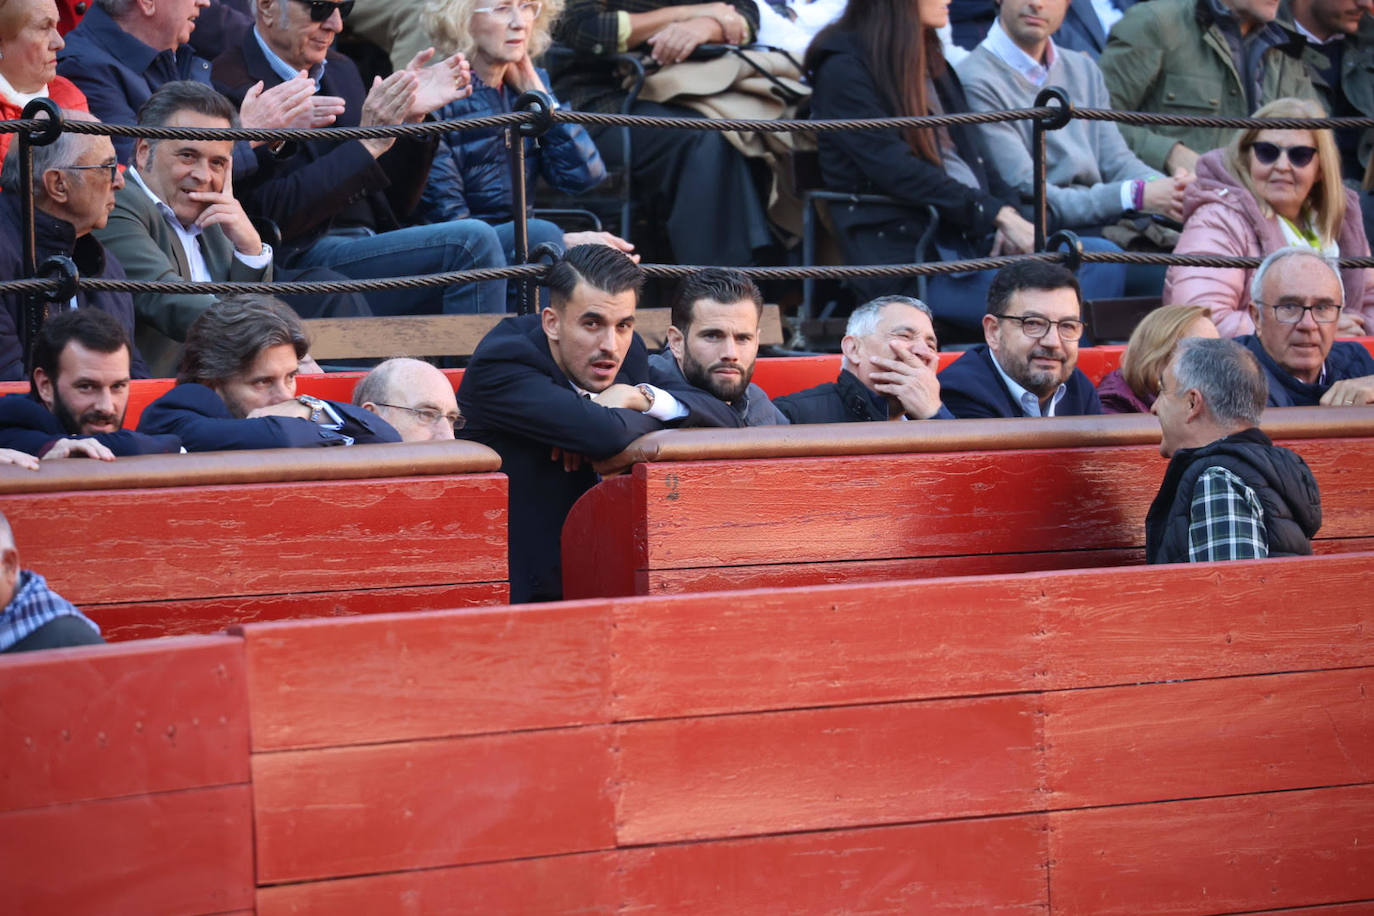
(1265, 190)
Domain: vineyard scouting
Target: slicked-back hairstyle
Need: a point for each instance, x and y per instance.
(1152, 345)
(1283, 254)
(599, 266)
(864, 319)
(95, 330)
(230, 334)
(184, 95)
(59, 154)
(1226, 374)
(718, 284)
(1037, 275)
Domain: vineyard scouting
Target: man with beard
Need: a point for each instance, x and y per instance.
(236, 388)
(78, 392)
(887, 372)
(1027, 368)
(712, 345)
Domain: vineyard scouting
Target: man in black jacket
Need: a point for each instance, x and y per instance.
(887, 373)
(79, 391)
(1229, 493)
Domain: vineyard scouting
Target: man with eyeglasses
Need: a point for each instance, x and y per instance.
(413, 396)
(1296, 298)
(74, 184)
(1028, 366)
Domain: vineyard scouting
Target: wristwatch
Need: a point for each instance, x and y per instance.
(317, 407)
(648, 392)
(323, 414)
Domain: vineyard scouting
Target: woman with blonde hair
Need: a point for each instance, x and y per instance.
(1267, 189)
(471, 176)
(1134, 387)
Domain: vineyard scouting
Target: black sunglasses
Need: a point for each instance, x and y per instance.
(320, 10)
(1268, 153)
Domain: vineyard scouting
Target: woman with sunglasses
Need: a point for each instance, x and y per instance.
(1268, 189)
(471, 176)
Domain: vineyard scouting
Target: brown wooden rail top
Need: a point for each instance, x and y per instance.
(835, 439)
(278, 465)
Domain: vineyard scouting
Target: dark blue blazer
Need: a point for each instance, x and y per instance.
(1347, 359)
(198, 415)
(972, 387)
(27, 426)
(1082, 30)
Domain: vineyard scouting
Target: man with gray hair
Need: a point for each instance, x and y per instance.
(33, 616)
(1229, 493)
(1296, 298)
(413, 396)
(887, 373)
(74, 185)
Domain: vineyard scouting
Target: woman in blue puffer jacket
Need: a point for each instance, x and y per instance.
(471, 172)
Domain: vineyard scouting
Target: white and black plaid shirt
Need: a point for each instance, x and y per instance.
(1226, 519)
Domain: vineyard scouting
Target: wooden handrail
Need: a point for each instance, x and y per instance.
(405, 459)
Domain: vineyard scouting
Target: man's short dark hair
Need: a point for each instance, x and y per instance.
(1039, 275)
(95, 330)
(184, 95)
(230, 334)
(719, 284)
(599, 266)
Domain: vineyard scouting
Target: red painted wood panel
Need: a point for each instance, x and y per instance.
(107, 721)
(178, 618)
(174, 852)
(455, 801)
(603, 549)
(1194, 739)
(826, 768)
(1362, 908)
(995, 865)
(405, 676)
(583, 884)
(1221, 855)
(208, 542)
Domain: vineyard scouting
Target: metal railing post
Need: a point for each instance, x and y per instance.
(1038, 127)
(35, 305)
(542, 105)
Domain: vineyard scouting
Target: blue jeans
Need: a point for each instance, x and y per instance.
(463, 244)
(540, 230)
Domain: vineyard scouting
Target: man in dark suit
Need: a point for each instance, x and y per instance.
(887, 373)
(78, 393)
(236, 388)
(551, 391)
(340, 204)
(1028, 367)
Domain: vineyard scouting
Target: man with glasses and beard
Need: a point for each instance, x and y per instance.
(712, 345)
(1027, 367)
(79, 390)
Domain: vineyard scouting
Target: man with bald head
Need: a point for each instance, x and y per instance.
(413, 396)
(74, 183)
(1296, 298)
(33, 616)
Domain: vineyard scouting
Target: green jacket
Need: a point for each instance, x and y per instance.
(1171, 57)
(1357, 74)
(149, 250)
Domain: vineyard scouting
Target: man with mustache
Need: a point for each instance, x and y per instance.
(79, 390)
(1027, 367)
(712, 345)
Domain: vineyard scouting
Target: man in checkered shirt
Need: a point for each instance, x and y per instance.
(33, 616)
(1229, 493)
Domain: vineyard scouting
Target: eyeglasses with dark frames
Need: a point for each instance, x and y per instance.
(1292, 312)
(1036, 327)
(320, 10)
(429, 416)
(111, 167)
(1268, 153)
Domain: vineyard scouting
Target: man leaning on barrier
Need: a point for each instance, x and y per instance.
(1229, 493)
(413, 396)
(74, 185)
(236, 388)
(79, 391)
(887, 371)
(1296, 297)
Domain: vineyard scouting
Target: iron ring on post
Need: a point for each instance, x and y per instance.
(67, 277)
(1064, 113)
(52, 126)
(542, 105)
(1072, 245)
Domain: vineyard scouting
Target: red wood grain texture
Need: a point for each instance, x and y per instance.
(173, 852)
(107, 721)
(423, 804)
(1360, 908)
(1220, 855)
(994, 865)
(602, 550)
(218, 541)
(826, 768)
(583, 884)
(406, 676)
(120, 622)
(1201, 738)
